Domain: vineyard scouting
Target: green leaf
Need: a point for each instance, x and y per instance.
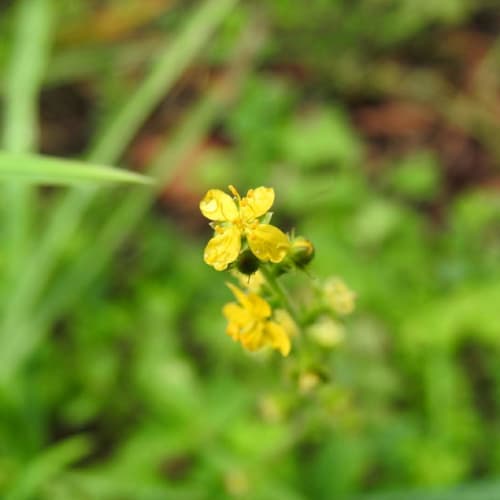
(167, 68)
(321, 136)
(31, 45)
(48, 465)
(38, 169)
(443, 323)
(478, 491)
(417, 176)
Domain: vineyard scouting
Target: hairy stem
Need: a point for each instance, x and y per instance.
(281, 293)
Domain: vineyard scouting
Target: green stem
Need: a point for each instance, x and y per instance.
(281, 293)
(22, 83)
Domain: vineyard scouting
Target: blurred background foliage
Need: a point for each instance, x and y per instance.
(377, 124)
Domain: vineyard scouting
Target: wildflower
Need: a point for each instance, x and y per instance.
(339, 296)
(237, 219)
(250, 324)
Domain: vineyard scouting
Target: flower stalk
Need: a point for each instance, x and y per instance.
(282, 294)
(245, 243)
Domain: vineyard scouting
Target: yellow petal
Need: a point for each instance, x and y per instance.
(239, 320)
(284, 319)
(256, 203)
(268, 243)
(240, 296)
(256, 306)
(236, 314)
(277, 337)
(223, 248)
(253, 339)
(218, 206)
(233, 330)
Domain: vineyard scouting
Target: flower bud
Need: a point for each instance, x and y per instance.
(236, 482)
(247, 263)
(327, 332)
(308, 381)
(339, 297)
(301, 252)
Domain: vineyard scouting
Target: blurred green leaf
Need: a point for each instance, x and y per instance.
(416, 177)
(376, 222)
(320, 136)
(445, 321)
(169, 65)
(336, 468)
(485, 490)
(47, 170)
(31, 45)
(475, 210)
(109, 145)
(37, 474)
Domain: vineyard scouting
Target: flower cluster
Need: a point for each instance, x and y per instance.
(259, 253)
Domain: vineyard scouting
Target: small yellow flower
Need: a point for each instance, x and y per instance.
(249, 323)
(239, 218)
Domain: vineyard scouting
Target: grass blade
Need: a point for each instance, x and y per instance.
(129, 212)
(39, 169)
(69, 211)
(25, 71)
(47, 465)
(165, 72)
(29, 58)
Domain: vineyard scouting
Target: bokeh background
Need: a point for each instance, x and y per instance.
(377, 123)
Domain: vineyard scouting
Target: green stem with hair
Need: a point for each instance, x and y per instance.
(281, 293)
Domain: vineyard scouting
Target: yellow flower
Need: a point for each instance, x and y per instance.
(250, 324)
(239, 218)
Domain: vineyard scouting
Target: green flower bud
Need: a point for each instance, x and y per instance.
(327, 332)
(247, 263)
(301, 251)
(338, 296)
